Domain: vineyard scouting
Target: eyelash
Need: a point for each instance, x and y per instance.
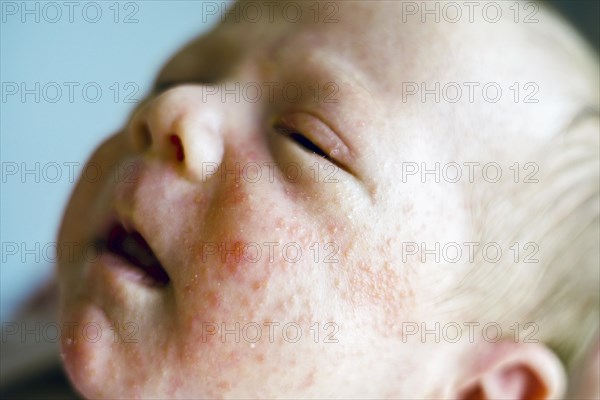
(302, 141)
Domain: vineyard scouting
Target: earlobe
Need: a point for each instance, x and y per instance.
(516, 371)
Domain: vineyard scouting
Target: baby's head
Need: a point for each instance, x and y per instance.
(361, 202)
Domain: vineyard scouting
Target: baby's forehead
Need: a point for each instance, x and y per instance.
(385, 40)
(410, 61)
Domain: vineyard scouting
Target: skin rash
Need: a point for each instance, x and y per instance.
(365, 212)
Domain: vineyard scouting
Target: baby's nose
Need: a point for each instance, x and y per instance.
(180, 128)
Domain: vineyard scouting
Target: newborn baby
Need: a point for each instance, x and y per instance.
(346, 199)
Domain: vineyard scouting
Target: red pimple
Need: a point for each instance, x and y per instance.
(280, 223)
(233, 358)
(214, 299)
(246, 302)
(256, 285)
(225, 385)
(233, 255)
(332, 228)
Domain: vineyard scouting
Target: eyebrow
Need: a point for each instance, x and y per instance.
(279, 52)
(322, 63)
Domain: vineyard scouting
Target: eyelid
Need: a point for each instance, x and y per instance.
(320, 134)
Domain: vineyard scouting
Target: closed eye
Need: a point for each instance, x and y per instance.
(303, 141)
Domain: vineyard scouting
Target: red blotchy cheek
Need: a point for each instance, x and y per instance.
(381, 287)
(242, 262)
(225, 259)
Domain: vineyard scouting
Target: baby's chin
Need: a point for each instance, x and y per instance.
(106, 359)
(85, 350)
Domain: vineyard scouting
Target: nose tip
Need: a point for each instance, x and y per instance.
(180, 129)
(143, 140)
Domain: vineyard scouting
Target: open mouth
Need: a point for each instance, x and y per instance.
(133, 248)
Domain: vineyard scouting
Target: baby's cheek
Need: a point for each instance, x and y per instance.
(250, 294)
(239, 278)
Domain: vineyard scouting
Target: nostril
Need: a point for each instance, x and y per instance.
(176, 142)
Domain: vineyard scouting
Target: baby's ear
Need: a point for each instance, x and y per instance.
(514, 371)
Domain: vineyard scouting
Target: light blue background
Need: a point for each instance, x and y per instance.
(104, 52)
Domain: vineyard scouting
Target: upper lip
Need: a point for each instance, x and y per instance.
(122, 239)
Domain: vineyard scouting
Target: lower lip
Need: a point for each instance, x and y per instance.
(112, 266)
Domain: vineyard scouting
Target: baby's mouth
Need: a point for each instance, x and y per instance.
(133, 248)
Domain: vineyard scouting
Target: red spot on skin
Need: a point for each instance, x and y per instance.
(214, 299)
(332, 228)
(280, 223)
(233, 359)
(224, 385)
(382, 286)
(260, 358)
(233, 256)
(245, 302)
(175, 383)
(309, 380)
(176, 142)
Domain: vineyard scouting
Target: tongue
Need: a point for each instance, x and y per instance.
(133, 248)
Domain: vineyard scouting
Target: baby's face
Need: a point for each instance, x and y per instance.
(279, 202)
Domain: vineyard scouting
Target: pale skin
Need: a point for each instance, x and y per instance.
(366, 213)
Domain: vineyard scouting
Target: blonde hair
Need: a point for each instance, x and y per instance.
(559, 217)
